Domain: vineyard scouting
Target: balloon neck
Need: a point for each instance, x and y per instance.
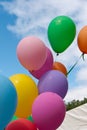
(57, 54)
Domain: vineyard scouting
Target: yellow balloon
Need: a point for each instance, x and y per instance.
(27, 91)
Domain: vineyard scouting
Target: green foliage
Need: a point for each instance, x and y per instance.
(75, 103)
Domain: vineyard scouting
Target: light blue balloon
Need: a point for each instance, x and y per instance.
(8, 101)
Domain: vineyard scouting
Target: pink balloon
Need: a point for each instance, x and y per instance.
(46, 67)
(48, 111)
(31, 53)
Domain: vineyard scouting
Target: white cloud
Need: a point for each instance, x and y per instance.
(82, 75)
(33, 18)
(76, 93)
(34, 15)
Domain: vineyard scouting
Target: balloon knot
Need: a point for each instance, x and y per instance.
(57, 54)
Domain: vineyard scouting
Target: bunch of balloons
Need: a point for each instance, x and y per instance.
(29, 106)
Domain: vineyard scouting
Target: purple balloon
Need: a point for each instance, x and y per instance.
(48, 111)
(46, 67)
(53, 81)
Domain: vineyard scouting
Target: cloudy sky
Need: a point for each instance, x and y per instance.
(20, 18)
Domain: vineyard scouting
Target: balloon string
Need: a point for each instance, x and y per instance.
(57, 54)
(82, 56)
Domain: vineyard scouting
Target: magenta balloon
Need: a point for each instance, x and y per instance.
(48, 111)
(31, 53)
(53, 81)
(48, 65)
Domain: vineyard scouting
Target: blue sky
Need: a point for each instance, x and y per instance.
(8, 42)
(20, 18)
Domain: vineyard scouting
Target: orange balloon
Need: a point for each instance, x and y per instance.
(59, 66)
(82, 40)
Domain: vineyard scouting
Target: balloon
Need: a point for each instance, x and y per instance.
(48, 111)
(14, 118)
(27, 92)
(8, 101)
(30, 118)
(46, 67)
(53, 81)
(21, 124)
(82, 40)
(61, 33)
(31, 53)
(59, 66)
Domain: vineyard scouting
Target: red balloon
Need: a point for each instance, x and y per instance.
(21, 124)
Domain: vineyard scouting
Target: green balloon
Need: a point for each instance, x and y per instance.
(14, 118)
(61, 33)
(30, 118)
